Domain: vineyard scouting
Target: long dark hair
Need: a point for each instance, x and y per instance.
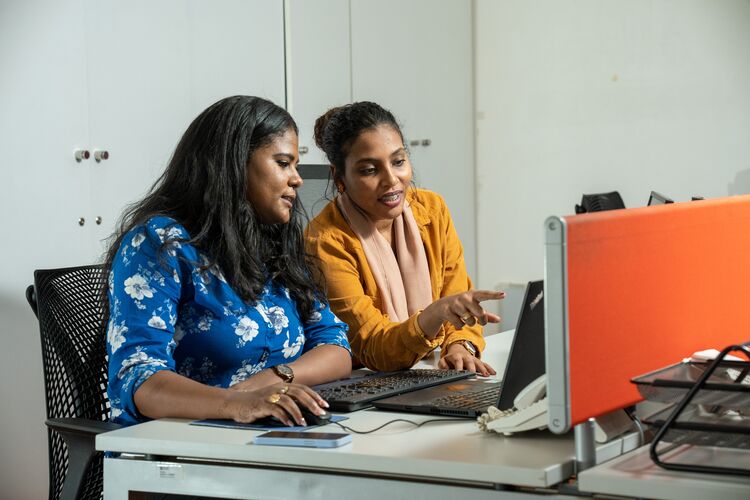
(338, 128)
(204, 189)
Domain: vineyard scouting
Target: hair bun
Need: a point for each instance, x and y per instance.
(320, 127)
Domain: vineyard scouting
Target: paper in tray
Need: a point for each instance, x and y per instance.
(728, 386)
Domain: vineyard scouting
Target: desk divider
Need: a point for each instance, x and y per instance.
(630, 291)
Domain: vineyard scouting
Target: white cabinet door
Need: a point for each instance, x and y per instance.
(415, 58)
(126, 77)
(154, 66)
(319, 65)
(43, 119)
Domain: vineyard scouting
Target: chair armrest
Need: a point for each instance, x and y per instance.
(81, 426)
(79, 435)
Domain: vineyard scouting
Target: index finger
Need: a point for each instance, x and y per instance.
(309, 393)
(482, 295)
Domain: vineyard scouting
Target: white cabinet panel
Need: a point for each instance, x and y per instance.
(127, 77)
(138, 97)
(153, 66)
(319, 65)
(43, 118)
(236, 47)
(415, 58)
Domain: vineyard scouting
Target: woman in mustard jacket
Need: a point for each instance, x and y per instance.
(392, 261)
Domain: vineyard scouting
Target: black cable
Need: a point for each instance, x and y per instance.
(630, 412)
(416, 424)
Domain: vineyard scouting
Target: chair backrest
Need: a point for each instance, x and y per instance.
(312, 194)
(600, 202)
(71, 312)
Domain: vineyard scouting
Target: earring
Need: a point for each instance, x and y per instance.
(340, 188)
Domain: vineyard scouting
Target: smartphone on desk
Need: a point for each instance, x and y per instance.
(307, 439)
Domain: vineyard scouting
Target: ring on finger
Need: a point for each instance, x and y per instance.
(274, 398)
(465, 318)
(284, 389)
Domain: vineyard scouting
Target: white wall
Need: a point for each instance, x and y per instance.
(589, 96)
(419, 65)
(124, 76)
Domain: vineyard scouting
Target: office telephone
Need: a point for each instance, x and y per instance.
(529, 411)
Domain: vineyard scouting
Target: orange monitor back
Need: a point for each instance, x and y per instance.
(630, 291)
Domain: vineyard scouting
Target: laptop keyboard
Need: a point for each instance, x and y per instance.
(356, 393)
(479, 400)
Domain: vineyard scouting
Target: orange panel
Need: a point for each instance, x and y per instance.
(648, 287)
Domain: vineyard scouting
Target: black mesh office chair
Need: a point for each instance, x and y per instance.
(312, 194)
(600, 202)
(70, 309)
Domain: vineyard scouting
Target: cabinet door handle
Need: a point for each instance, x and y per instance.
(81, 221)
(101, 155)
(81, 154)
(303, 150)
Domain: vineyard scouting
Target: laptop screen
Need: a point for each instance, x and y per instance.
(658, 199)
(526, 360)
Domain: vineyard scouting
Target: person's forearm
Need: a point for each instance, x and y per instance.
(430, 320)
(167, 394)
(322, 364)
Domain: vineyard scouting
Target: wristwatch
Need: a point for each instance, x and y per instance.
(470, 347)
(284, 372)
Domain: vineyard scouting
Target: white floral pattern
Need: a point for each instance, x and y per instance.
(278, 318)
(116, 335)
(157, 322)
(315, 317)
(246, 371)
(167, 314)
(246, 329)
(291, 351)
(138, 238)
(137, 287)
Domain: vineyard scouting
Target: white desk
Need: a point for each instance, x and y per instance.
(635, 475)
(440, 460)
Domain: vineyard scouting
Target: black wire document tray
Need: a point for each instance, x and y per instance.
(710, 410)
(703, 425)
(728, 385)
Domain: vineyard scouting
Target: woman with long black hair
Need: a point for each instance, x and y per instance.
(212, 308)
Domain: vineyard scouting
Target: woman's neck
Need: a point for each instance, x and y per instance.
(385, 228)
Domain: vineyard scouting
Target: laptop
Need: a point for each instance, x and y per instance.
(658, 199)
(470, 398)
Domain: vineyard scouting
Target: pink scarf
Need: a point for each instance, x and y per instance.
(403, 278)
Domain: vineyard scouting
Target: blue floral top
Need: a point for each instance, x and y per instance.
(165, 314)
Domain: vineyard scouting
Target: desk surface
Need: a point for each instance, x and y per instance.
(455, 451)
(636, 475)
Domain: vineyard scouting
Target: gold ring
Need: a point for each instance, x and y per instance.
(274, 398)
(465, 317)
(284, 389)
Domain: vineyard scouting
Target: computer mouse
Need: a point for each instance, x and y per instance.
(313, 419)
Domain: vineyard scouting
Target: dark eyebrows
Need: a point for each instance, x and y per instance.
(367, 160)
(288, 156)
(400, 150)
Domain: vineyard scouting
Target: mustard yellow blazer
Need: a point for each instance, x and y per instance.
(376, 341)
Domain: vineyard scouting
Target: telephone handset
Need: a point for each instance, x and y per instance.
(532, 393)
(529, 411)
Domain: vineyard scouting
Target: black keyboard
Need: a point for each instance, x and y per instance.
(356, 393)
(478, 400)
